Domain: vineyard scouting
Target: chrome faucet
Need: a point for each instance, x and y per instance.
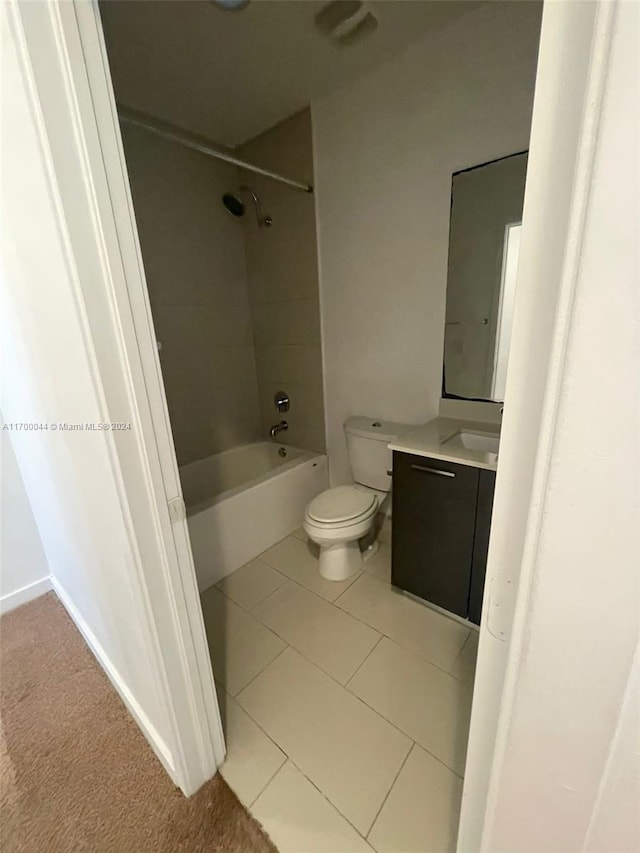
(276, 428)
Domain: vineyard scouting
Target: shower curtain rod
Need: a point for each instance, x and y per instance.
(196, 143)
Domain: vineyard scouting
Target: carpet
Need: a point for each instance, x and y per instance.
(76, 774)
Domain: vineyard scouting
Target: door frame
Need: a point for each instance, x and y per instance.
(572, 68)
(64, 61)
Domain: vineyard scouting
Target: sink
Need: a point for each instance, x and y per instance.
(486, 442)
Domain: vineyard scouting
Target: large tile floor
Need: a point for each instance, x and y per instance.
(346, 705)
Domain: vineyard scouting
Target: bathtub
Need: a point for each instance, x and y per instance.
(243, 501)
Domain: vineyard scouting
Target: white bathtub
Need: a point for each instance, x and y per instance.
(242, 501)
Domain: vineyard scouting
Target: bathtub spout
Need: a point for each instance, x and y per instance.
(278, 428)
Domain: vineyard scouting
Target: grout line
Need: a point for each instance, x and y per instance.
(325, 797)
(264, 600)
(253, 678)
(406, 648)
(386, 797)
(414, 743)
(285, 581)
(353, 578)
(271, 778)
(284, 640)
(394, 639)
(335, 680)
(264, 732)
(344, 687)
(321, 597)
(287, 759)
(258, 603)
(458, 656)
(346, 612)
(363, 661)
(308, 659)
(268, 736)
(351, 693)
(402, 731)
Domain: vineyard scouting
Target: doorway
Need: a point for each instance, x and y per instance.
(242, 310)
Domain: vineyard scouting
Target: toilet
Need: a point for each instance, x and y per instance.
(338, 518)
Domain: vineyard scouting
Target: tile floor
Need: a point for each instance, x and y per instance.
(345, 705)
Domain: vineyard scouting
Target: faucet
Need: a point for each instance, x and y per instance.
(278, 428)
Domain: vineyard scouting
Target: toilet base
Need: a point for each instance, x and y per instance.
(338, 562)
(369, 552)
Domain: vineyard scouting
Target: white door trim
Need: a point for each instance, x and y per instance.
(62, 52)
(602, 33)
(574, 49)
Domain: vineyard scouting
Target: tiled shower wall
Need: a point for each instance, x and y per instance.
(194, 260)
(282, 266)
(219, 285)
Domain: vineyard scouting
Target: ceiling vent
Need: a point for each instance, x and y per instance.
(346, 21)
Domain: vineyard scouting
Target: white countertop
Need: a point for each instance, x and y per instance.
(428, 440)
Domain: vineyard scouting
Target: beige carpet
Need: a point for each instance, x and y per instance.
(76, 773)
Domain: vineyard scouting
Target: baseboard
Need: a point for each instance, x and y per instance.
(21, 596)
(156, 743)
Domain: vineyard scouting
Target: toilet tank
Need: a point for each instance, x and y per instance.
(370, 458)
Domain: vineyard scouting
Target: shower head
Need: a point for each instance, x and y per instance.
(236, 206)
(233, 204)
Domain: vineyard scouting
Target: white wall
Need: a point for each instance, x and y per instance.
(107, 503)
(48, 377)
(51, 374)
(24, 572)
(385, 148)
(567, 775)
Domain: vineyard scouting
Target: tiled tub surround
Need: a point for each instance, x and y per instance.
(235, 306)
(195, 266)
(244, 500)
(282, 268)
(346, 704)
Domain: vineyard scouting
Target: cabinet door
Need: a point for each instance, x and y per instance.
(434, 511)
(481, 543)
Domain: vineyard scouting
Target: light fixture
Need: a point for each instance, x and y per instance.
(231, 5)
(346, 21)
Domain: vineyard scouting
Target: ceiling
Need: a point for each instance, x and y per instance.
(229, 75)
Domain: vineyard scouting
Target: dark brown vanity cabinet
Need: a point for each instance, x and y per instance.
(441, 520)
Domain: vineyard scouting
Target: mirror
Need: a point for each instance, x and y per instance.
(484, 241)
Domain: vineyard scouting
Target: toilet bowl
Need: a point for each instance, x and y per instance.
(336, 520)
(339, 518)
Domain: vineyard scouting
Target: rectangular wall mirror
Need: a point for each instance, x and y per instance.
(484, 241)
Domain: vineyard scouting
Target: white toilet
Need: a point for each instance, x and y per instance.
(338, 518)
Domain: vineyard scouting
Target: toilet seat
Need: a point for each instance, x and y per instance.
(341, 506)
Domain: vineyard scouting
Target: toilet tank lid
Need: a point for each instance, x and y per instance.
(374, 428)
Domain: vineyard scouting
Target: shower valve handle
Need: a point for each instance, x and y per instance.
(281, 400)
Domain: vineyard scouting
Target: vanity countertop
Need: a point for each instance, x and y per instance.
(430, 439)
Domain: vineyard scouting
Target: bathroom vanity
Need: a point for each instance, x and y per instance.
(443, 483)
(444, 472)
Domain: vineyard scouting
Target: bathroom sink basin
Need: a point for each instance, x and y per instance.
(486, 442)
